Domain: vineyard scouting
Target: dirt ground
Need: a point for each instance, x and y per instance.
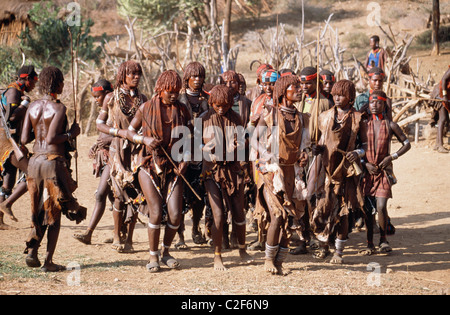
(419, 264)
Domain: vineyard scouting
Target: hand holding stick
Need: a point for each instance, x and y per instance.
(358, 170)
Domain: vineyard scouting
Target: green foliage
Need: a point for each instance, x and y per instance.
(10, 61)
(48, 43)
(157, 15)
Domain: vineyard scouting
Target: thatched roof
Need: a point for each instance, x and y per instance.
(15, 10)
(13, 19)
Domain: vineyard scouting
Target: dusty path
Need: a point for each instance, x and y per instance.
(420, 262)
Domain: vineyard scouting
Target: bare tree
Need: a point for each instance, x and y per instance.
(435, 28)
(226, 26)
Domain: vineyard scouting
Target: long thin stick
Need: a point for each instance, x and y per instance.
(317, 88)
(74, 100)
(173, 163)
(184, 178)
(276, 48)
(316, 123)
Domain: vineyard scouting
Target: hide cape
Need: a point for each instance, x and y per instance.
(226, 174)
(281, 185)
(154, 126)
(340, 190)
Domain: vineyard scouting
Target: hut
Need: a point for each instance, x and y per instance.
(14, 19)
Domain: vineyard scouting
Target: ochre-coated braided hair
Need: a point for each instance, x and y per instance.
(281, 85)
(193, 69)
(220, 94)
(229, 76)
(170, 81)
(125, 68)
(345, 88)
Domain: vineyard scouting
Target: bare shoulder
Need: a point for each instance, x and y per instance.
(394, 126)
(35, 106)
(50, 107)
(13, 95)
(397, 130)
(108, 99)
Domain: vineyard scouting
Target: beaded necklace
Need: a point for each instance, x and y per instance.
(129, 110)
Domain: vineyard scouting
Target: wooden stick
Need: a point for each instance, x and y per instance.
(276, 49)
(317, 88)
(74, 90)
(174, 165)
(184, 178)
(316, 123)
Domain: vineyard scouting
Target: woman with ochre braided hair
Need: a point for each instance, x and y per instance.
(119, 108)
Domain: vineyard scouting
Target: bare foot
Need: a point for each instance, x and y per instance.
(218, 263)
(245, 257)
(51, 267)
(269, 266)
(127, 248)
(337, 259)
(83, 238)
(281, 271)
(8, 211)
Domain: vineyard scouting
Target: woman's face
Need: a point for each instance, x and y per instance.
(195, 83)
(234, 85)
(169, 97)
(376, 82)
(30, 84)
(242, 88)
(221, 108)
(294, 93)
(132, 79)
(328, 85)
(308, 87)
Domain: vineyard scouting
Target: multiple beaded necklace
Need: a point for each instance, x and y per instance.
(129, 110)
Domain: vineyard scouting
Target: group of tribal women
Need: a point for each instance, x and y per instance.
(305, 146)
(310, 159)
